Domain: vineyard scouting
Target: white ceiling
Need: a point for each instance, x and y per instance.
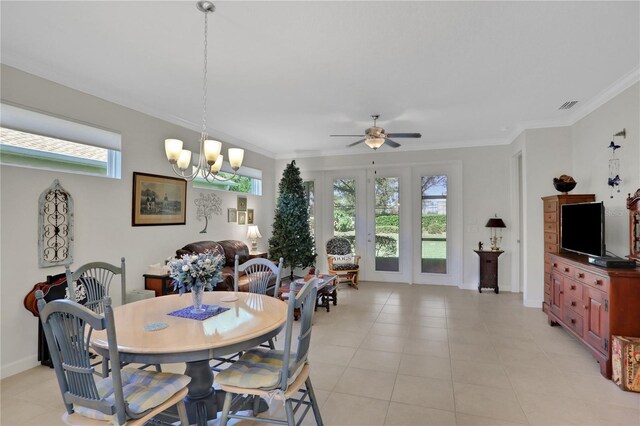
(285, 75)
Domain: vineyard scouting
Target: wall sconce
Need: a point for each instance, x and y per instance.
(495, 224)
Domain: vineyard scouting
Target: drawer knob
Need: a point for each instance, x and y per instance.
(573, 321)
(585, 306)
(561, 292)
(566, 269)
(573, 303)
(598, 282)
(573, 287)
(555, 265)
(580, 275)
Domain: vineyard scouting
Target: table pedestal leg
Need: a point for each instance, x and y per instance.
(200, 401)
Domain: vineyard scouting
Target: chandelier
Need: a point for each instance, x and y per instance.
(209, 162)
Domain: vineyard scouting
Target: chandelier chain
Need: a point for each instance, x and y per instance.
(204, 78)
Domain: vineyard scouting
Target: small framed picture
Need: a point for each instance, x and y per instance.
(232, 215)
(242, 204)
(242, 218)
(249, 216)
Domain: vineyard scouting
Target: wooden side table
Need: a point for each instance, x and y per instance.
(488, 269)
(161, 284)
(259, 254)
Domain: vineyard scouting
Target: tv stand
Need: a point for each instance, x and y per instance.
(593, 303)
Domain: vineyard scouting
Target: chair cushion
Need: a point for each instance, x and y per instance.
(256, 369)
(338, 245)
(142, 389)
(346, 267)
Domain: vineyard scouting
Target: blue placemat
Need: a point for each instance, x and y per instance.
(210, 310)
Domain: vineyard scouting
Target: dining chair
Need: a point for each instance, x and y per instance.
(342, 262)
(129, 396)
(91, 284)
(279, 374)
(260, 274)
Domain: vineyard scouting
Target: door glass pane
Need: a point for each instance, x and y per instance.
(310, 195)
(434, 224)
(387, 213)
(344, 210)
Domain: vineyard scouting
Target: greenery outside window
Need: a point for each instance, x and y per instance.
(344, 209)
(248, 182)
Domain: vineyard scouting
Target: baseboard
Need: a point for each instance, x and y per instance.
(18, 366)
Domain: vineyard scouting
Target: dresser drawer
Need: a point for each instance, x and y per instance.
(550, 206)
(551, 248)
(573, 320)
(551, 217)
(550, 237)
(574, 304)
(562, 267)
(573, 289)
(593, 280)
(551, 227)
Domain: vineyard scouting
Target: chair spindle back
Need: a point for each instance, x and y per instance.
(260, 273)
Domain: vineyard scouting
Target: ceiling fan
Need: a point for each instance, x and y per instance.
(376, 136)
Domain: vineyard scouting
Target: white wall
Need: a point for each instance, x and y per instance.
(485, 191)
(590, 139)
(103, 228)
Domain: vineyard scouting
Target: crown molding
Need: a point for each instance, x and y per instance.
(39, 70)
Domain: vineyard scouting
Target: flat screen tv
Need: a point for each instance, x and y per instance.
(582, 228)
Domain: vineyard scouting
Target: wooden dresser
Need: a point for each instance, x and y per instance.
(552, 209)
(594, 303)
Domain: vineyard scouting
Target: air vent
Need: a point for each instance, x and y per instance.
(568, 105)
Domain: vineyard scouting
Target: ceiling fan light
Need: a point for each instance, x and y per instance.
(374, 143)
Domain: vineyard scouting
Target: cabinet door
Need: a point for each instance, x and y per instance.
(557, 295)
(596, 324)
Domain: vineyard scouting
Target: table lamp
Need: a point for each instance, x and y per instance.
(494, 224)
(253, 233)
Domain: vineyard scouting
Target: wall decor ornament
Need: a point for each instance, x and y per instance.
(206, 206)
(242, 204)
(55, 226)
(242, 218)
(250, 217)
(232, 215)
(614, 162)
(158, 200)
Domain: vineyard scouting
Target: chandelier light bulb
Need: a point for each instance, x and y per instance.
(215, 167)
(173, 148)
(184, 161)
(236, 155)
(212, 150)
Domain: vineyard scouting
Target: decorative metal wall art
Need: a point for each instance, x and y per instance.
(207, 205)
(614, 162)
(55, 227)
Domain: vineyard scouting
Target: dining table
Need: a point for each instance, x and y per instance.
(147, 334)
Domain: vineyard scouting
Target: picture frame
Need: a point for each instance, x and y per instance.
(232, 215)
(242, 218)
(158, 200)
(242, 204)
(250, 217)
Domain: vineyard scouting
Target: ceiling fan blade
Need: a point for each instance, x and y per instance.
(392, 144)
(404, 135)
(348, 136)
(355, 143)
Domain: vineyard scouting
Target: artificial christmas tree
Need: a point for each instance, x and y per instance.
(291, 238)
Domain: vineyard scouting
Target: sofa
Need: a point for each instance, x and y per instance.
(228, 249)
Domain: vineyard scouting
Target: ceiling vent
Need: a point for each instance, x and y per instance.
(568, 105)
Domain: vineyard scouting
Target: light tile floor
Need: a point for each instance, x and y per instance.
(420, 355)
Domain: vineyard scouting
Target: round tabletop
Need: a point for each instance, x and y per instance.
(251, 320)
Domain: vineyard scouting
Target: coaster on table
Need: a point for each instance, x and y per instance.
(209, 311)
(155, 326)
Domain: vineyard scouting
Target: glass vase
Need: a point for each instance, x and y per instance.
(197, 292)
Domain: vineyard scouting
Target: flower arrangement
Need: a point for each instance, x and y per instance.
(196, 270)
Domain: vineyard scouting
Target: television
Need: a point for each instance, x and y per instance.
(582, 228)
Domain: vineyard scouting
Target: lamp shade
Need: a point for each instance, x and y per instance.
(236, 155)
(495, 222)
(173, 148)
(374, 143)
(253, 232)
(212, 150)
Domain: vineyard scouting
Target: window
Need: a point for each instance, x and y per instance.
(344, 209)
(32, 139)
(309, 193)
(434, 224)
(248, 181)
(387, 219)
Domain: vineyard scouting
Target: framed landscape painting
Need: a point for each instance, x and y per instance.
(158, 200)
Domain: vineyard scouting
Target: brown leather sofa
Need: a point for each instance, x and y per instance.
(227, 248)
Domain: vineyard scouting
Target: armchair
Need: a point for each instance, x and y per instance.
(342, 262)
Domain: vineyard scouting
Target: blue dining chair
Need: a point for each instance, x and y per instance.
(128, 396)
(276, 374)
